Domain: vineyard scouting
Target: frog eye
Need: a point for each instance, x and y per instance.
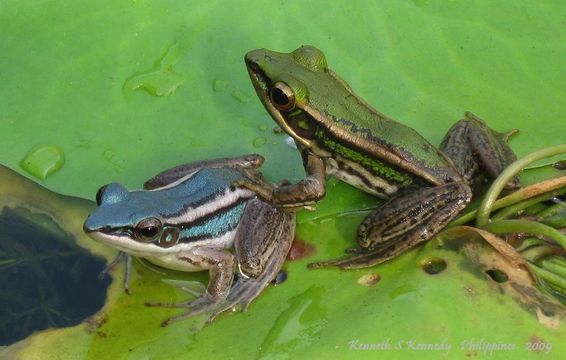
(169, 237)
(282, 96)
(99, 194)
(147, 230)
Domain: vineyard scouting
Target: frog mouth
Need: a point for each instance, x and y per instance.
(107, 234)
(121, 239)
(260, 80)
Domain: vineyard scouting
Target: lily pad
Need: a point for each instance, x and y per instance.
(71, 72)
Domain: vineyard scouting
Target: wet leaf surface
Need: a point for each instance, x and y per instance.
(64, 69)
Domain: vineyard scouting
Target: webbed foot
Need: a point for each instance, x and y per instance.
(198, 306)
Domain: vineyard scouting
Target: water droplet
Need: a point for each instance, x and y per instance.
(247, 123)
(162, 80)
(259, 141)
(240, 96)
(369, 279)
(262, 128)
(403, 292)
(43, 160)
(290, 142)
(277, 130)
(84, 144)
(107, 155)
(220, 85)
(433, 265)
(118, 169)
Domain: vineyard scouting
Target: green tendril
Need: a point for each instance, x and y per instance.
(535, 253)
(525, 226)
(515, 208)
(549, 277)
(517, 197)
(557, 260)
(529, 243)
(507, 174)
(550, 265)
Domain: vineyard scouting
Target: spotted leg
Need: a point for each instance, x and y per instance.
(403, 222)
(418, 214)
(478, 151)
(263, 240)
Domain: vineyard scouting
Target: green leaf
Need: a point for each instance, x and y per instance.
(129, 88)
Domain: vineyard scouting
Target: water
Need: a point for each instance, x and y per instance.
(46, 281)
(162, 80)
(43, 160)
(259, 141)
(241, 96)
(433, 265)
(220, 85)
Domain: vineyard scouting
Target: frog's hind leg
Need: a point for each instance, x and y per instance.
(403, 222)
(245, 290)
(476, 149)
(265, 234)
(252, 161)
(264, 238)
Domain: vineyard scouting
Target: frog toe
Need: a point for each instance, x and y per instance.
(198, 306)
(241, 295)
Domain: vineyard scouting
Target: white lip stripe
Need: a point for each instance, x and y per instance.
(139, 249)
(221, 201)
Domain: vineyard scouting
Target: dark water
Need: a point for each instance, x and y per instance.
(45, 279)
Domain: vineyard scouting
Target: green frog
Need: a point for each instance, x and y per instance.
(341, 135)
(191, 218)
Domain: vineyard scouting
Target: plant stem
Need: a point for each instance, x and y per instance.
(553, 267)
(515, 208)
(530, 227)
(549, 277)
(555, 187)
(507, 174)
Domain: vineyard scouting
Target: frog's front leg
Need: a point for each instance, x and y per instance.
(251, 161)
(221, 266)
(476, 150)
(306, 192)
(120, 257)
(403, 222)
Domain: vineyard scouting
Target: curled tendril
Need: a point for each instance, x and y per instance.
(545, 260)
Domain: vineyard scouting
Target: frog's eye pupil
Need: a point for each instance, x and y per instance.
(279, 97)
(99, 194)
(148, 229)
(282, 96)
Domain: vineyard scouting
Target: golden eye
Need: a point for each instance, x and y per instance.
(282, 96)
(148, 229)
